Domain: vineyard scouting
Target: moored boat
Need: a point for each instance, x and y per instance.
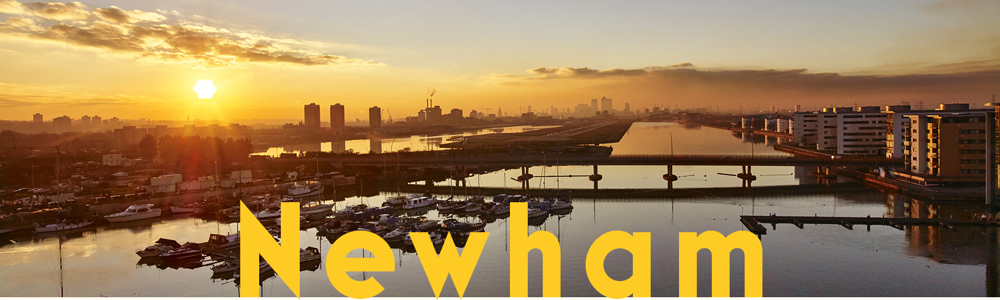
(135, 212)
(161, 246)
(62, 226)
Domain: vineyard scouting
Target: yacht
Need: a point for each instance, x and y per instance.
(135, 212)
(183, 208)
(62, 226)
(305, 190)
(437, 238)
(315, 208)
(161, 246)
(418, 202)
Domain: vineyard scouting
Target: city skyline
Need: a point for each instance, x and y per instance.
(141, 58)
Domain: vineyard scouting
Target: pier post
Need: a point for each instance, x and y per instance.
(595, 177)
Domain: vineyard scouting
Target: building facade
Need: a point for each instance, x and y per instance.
(337, 118)
(374, 118)
(312, 115)
(841, 130)
(951, 147)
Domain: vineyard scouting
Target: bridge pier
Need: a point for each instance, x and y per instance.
(670, 177)
(595, 177)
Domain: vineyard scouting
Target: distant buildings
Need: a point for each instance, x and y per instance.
(38, 118)
(95, 121)
(312, 115)
(375, 117)
(62, 124)
(337, 118)
(593, 105)
(606, 104)
(85, 121)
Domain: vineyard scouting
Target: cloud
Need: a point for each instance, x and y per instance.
(148, 36)
(51, 11)
(118, 15)
(969, 81)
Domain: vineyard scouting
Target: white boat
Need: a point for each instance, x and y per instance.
(305, 190)
(396, 200)
(418, 202)
(268, 214)
(315, 208)
(561, 204)
(63, 226)
(135, 212)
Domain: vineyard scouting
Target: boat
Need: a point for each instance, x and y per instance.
(453, 225)
(397, 200)
(309, 254)
(472, 207)
(221, 244)
(135, 212)
(63, 226)
(268, 214)
(418, 202)
(397, 234)
(372, 213)
(315, 208)
(188, 251)
(537, 212)
(437, 238)
(561, 204)
(499, 209)
(161, 246)
(305, 190)
(374, 227)
(337, 227)
(183, 208)
(427, 224)
(348, 212)
(229, 265)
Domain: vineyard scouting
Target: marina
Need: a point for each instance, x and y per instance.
(199, 250)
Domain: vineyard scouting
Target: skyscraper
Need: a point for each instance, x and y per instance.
(312, 115)
(95, 121)
(337, 117)
(593, 104)
(374, 118)
(85, 121)
(38, 118)
(606, 104)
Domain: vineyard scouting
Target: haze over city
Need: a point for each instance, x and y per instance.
(140, 59)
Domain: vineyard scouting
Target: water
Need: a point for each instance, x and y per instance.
(819, 260)
(378, 145)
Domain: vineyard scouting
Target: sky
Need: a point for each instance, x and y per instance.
(140, 59)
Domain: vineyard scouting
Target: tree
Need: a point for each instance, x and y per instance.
(147, 147)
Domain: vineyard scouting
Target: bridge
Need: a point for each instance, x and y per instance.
(390, 160)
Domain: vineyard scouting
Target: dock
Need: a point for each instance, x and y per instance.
(755, 225)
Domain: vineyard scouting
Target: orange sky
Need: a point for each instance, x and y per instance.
(139, 59)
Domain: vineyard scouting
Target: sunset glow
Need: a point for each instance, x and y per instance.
(205, 89)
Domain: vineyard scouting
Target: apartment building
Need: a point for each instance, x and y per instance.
(841, 130)
(953, 145)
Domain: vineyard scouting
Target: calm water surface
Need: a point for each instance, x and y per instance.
(819, 260)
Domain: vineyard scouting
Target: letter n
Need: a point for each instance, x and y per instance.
(255, 241)
(690, 243)
(521, 243)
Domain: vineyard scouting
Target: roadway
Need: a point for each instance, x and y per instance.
(391, 160)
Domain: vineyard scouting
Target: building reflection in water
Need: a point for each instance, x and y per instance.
(375, 145)
(960, 245)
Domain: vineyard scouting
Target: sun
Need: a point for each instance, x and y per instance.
(205, 88)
